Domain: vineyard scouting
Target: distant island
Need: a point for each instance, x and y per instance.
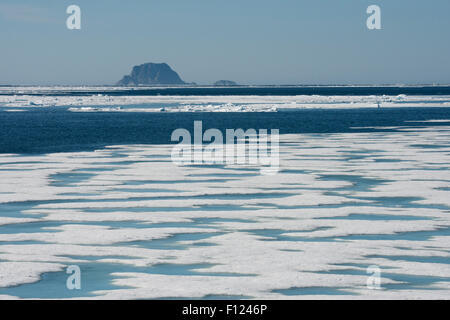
(225, 83)
(160, 74)
(151, 74)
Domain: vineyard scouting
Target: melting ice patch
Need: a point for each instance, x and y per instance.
(141, 227)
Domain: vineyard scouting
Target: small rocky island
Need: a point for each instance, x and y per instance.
(225, 83)
(151, 74)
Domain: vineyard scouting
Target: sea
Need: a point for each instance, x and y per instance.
(93, 206)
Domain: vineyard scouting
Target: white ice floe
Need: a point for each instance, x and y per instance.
(319, 223)
(137, 103)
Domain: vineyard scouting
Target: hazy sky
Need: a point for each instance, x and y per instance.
(249, 41)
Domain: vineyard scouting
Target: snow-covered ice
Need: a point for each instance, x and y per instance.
(27, 98)
(340, 203)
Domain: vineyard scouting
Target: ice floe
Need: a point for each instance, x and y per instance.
(26, 98)
(341, 202)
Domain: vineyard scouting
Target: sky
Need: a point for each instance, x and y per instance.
(249, 41)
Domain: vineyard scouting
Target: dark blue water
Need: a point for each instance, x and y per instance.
(58, 130)
(259, 91)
